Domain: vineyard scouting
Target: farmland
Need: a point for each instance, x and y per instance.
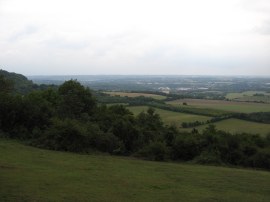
(230, 106)
(170, 117)
(243, 94)
(250, 96)
(128, 94)
(229, 125)
(31, 174)
(238, 126)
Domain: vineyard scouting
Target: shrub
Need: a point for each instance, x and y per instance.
(155, 151)
(186, 147)
(208, 158)
(262, 159)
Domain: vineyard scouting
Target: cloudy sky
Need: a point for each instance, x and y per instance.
(209, 37)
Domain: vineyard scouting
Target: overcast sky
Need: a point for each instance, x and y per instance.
(185, 37)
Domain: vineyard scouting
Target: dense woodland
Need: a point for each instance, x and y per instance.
(69, 118)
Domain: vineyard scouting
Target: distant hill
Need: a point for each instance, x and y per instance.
(21, 84)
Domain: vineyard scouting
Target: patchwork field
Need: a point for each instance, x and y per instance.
(238, 126)
(31, 174)
(123, 94)
(170, 117)
(230, 106)
(230, 125)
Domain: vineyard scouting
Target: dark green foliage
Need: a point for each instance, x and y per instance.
(6, 85)
(206, 157)
(133, 101)
(69, 119)
(186, 147)
(66, 135)
(75, 100)
(261, 117)
(20, 83)
(155, 151)
(261, 159)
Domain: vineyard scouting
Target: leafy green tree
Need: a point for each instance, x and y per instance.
(75, 100)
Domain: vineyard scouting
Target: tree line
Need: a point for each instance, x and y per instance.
(69, 118)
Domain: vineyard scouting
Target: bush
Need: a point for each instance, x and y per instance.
(65, 135)
(106, 142)
(208, 158)
(186, 147)
(262, 159)
(155, 151)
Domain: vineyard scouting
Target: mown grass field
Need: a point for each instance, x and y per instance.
(170, 117)
(237, 126)
(31, 174)
(123, 94)
(230, 106)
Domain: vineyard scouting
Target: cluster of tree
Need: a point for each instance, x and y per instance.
(192, 124)
(150, 92)
(262, 117)
(198, 123)
(70, 119)
(195, 95)
(134, 101)
(189, 110)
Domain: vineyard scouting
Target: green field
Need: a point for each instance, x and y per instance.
(243, 94)
(230, 106)
(31, 174)
(170, 117)
(239, 126)
(250, 96)
(124, 94)
(229, 125)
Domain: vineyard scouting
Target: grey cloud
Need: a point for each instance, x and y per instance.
(257, 5)
(26, 31)
(264, 29)
(62, 43)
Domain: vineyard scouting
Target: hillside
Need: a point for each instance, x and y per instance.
(21, 84)
(31, 174)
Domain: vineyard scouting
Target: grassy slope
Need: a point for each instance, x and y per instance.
(123, 94)
(237, 125)
(31, 174)
(170, 117)
(230, 106)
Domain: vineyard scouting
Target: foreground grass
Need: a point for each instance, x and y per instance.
(230, 106)
(170, 117)
(123, 94)
(31, 174)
